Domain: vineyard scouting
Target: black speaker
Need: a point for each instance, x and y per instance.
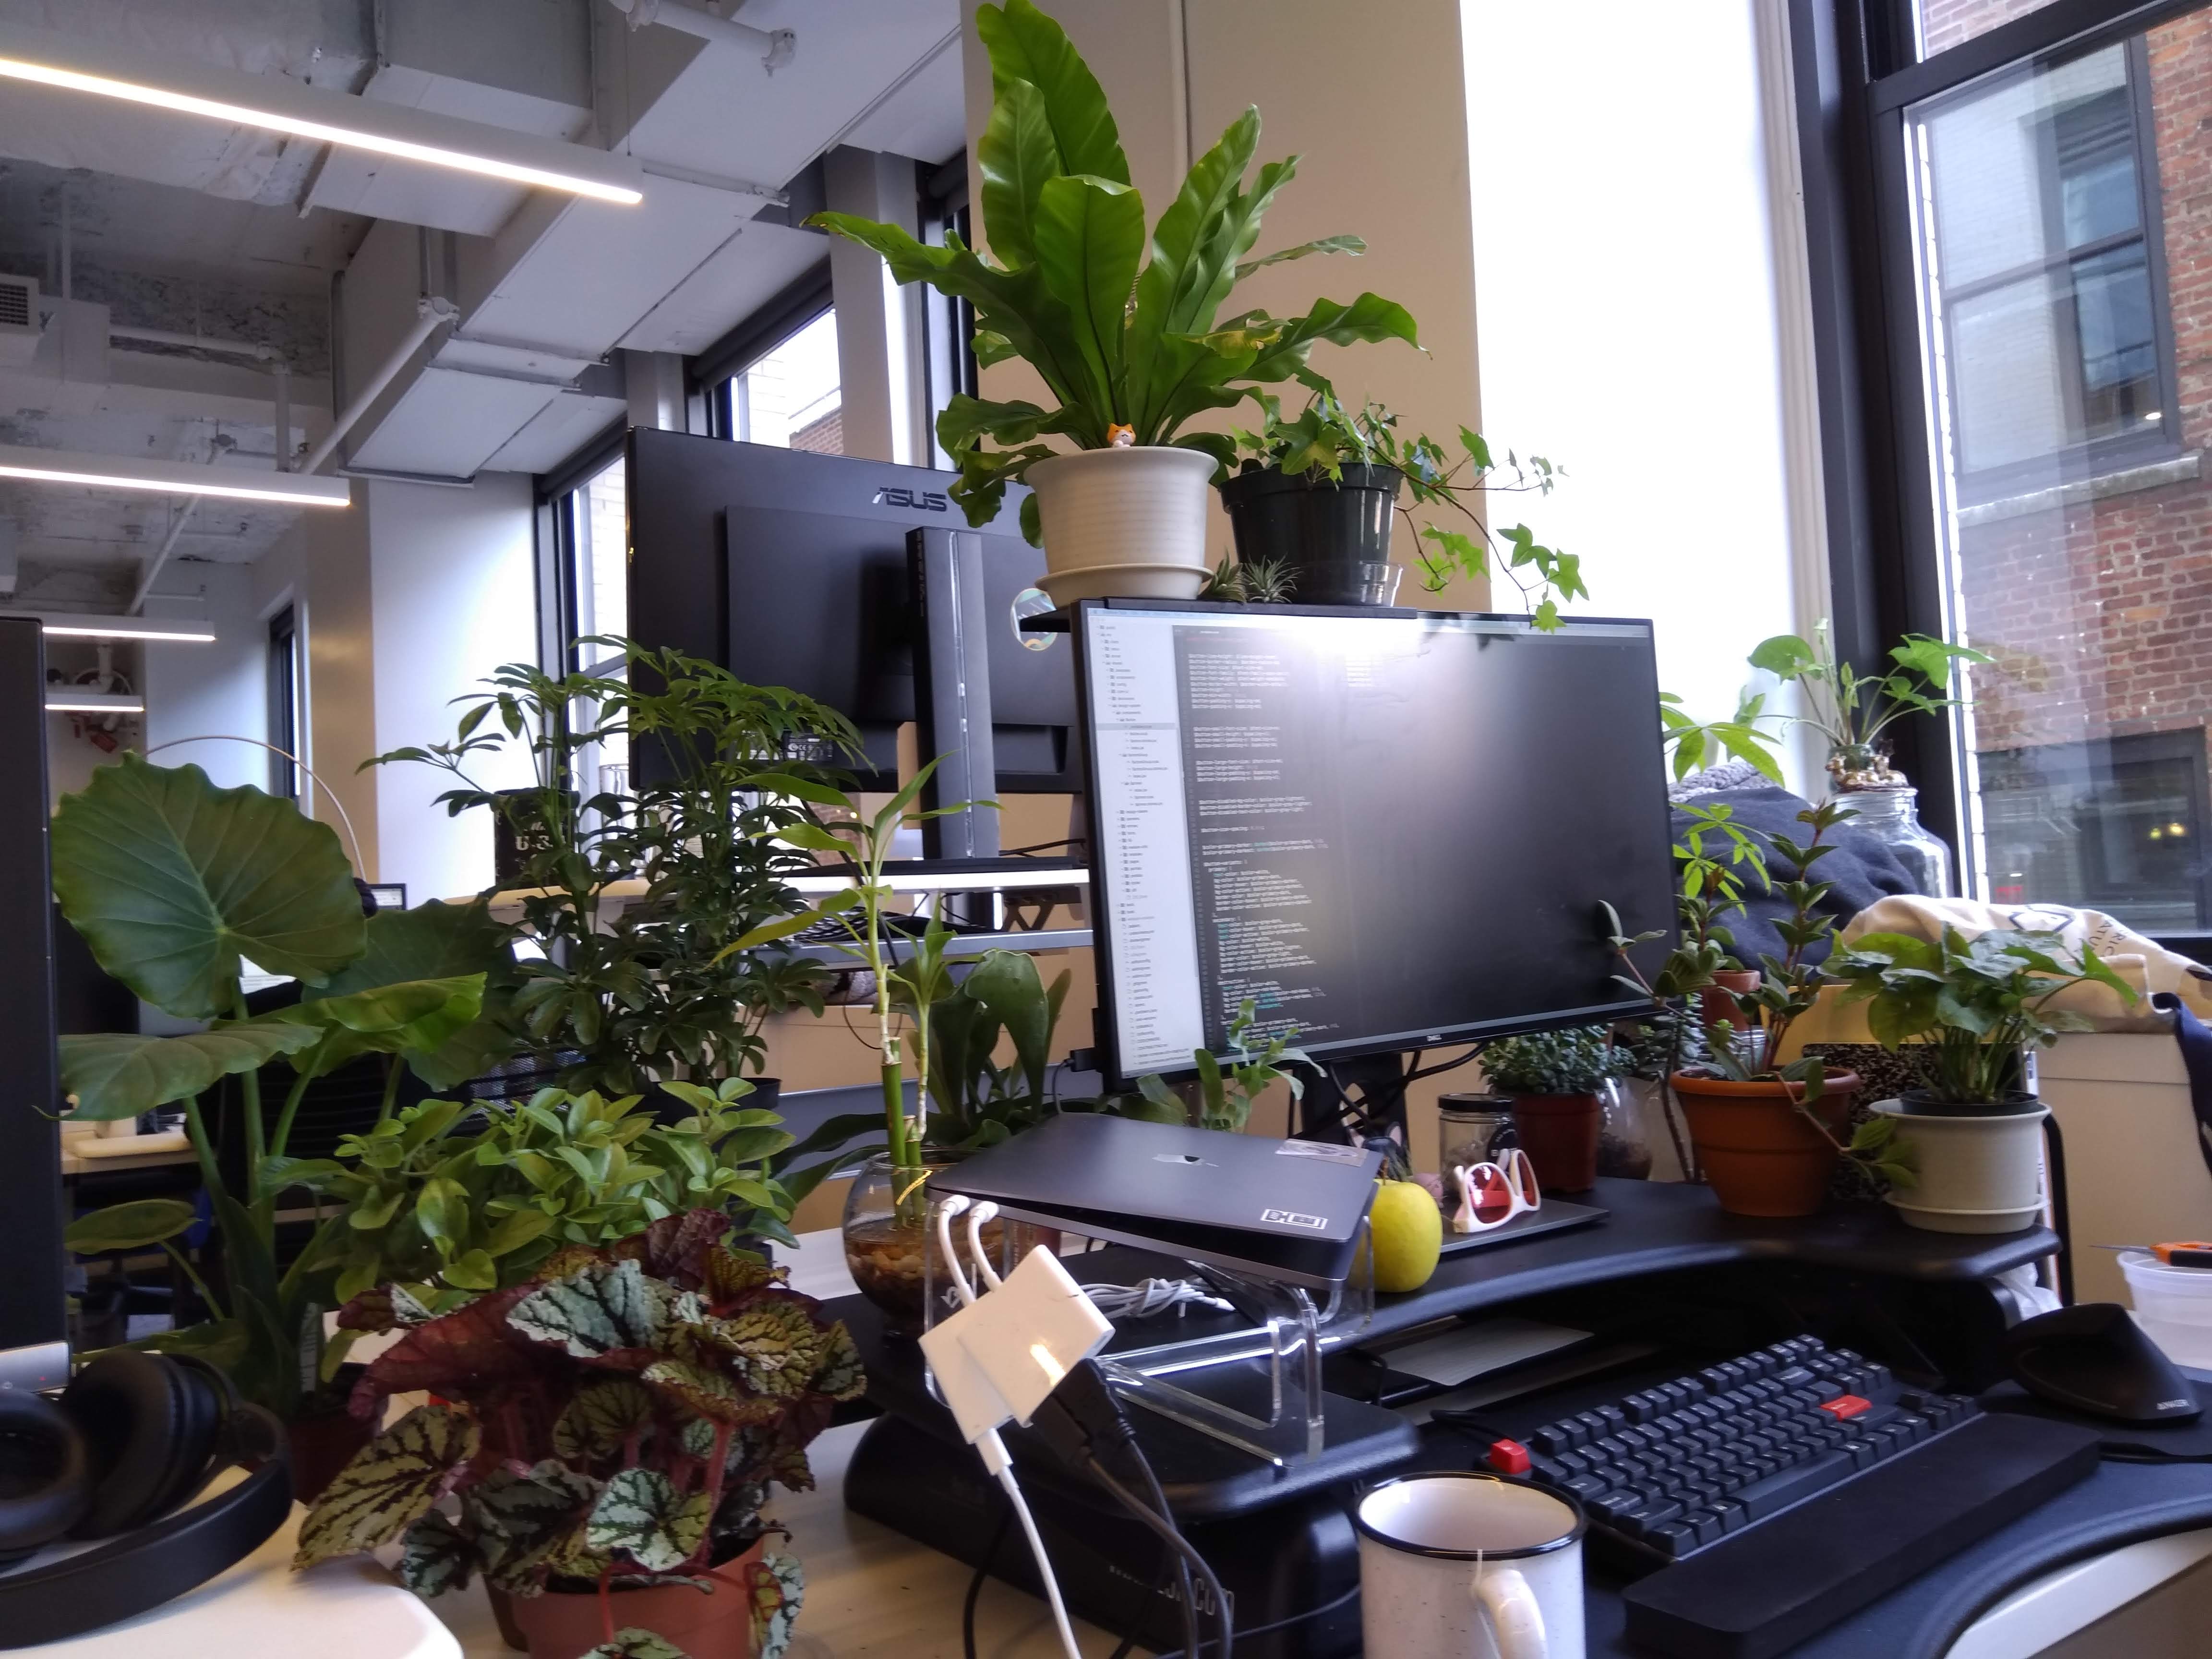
(31, 1213)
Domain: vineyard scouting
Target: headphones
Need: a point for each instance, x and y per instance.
(132, 1435)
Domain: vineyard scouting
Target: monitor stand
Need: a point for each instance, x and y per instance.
(1352, 1100)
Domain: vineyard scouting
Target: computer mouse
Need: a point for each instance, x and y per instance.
(2093, 1358)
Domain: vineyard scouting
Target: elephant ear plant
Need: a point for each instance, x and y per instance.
(1125, 330)
(174, 884)
(612, 1424)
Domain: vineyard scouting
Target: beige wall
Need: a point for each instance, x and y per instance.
(341, 715)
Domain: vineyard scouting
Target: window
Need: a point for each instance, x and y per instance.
(2025, 267)
(948, 347)
(284, 779)
(789, 395)
(591, 540)
(2045, 303)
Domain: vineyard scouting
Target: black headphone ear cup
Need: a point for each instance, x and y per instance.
(149, 1428)
(46, 1474)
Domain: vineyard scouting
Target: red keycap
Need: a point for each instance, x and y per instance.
(1510, 1456)
(1845, 1407)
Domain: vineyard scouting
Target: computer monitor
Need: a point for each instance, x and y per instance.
(804, 570)
(1387, 829)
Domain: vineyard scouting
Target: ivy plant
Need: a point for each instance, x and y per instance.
(615, 1421)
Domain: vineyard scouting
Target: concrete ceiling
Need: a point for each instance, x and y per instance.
(177, 223)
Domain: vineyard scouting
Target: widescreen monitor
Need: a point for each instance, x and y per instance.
(1386, 830)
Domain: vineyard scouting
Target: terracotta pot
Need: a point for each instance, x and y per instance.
(705, 1624)
(1759, 1155)
(1714, 1009)
(1559, 1133)
(322, 1445)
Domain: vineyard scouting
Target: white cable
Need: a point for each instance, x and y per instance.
(945, 1211)
(993, 1449)
(1151, 1296)
(1036, 1549)
(986, 1211)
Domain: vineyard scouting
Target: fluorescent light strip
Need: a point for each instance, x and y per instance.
(96, 708)
(170, 478)
(267, 111)
(114, 628)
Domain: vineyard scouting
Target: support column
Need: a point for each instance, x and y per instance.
(878, 324)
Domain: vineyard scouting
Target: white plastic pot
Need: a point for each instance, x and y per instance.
(1977, 1175)
(1124, 523)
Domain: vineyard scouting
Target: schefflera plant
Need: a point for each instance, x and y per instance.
(614, 1423)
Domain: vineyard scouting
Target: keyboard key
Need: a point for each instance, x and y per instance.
(1551, 1440)
(1779, 1490)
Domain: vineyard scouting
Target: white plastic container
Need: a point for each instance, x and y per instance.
(1977, 1175)
(1124, 523)
(2174, 1305)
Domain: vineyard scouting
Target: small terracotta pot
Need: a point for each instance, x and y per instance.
(1715, 1009)
(1559, 1133)
(705, 1624)
(322, 1445)
(1759, 1155)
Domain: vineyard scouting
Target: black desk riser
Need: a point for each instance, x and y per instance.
(1279, 1537)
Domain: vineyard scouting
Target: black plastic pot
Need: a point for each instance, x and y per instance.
(1925, 1102)
(1333, 537)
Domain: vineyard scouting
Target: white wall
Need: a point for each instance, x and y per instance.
(211, 691)
(1626, 256)
(452, 597)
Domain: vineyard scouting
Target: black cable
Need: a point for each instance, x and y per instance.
(2129, 1452)
(1165, 1530)
(976, 1584)
(1322, 1611)
(1191, 1639)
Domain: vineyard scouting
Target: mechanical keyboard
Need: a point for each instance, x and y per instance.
(1673, 1470)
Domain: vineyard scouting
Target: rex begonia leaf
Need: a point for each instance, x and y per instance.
(641, 1514)
(391, 1484)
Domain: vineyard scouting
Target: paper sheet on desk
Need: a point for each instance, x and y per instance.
(1474, 1351)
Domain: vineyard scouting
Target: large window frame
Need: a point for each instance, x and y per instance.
(1857, 76)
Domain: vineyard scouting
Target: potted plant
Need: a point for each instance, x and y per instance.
(1317, 495)
(600, 1446)
(442, 1203)
(172, 883)
(642, 988)
(1967, 1012)
(1555, 1079)
(1765, 1132)
(1224, 1100)
(1130, 346)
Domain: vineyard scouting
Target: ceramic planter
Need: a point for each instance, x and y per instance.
(1559, 1133)
(712, 1624)
(1123, 523)
(1979, 1171)
(1759, 1155)
(1716, 1009)
(1332, 535)
(322, 1444)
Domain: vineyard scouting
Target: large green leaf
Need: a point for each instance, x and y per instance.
(1007, 982)
(1164, 291)
(437, 940)
(1090, 235)
(129, 1226)
(641, 1514)
(115, 1074)
(1016, 156)
(1025, 44)
(416, 1016)
(389, 1485)
(1369, 318)
(172, 880)
(1354, 245)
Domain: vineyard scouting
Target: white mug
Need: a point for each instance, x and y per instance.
(1469, 1566)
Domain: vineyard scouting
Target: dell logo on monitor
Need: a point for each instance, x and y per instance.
(929, 500)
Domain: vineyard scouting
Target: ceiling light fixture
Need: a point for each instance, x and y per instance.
(170, 478)
(94, 702)
(79, 63)
(67, 624)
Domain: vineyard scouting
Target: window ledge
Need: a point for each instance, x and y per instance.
(2124, 481)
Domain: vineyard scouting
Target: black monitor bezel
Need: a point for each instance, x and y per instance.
(1100, 895)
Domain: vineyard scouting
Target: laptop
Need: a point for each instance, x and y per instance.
(1282, 1210)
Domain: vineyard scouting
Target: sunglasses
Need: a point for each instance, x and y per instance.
(1491, 1194)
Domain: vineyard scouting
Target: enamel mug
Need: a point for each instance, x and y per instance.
(1469, 1566)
